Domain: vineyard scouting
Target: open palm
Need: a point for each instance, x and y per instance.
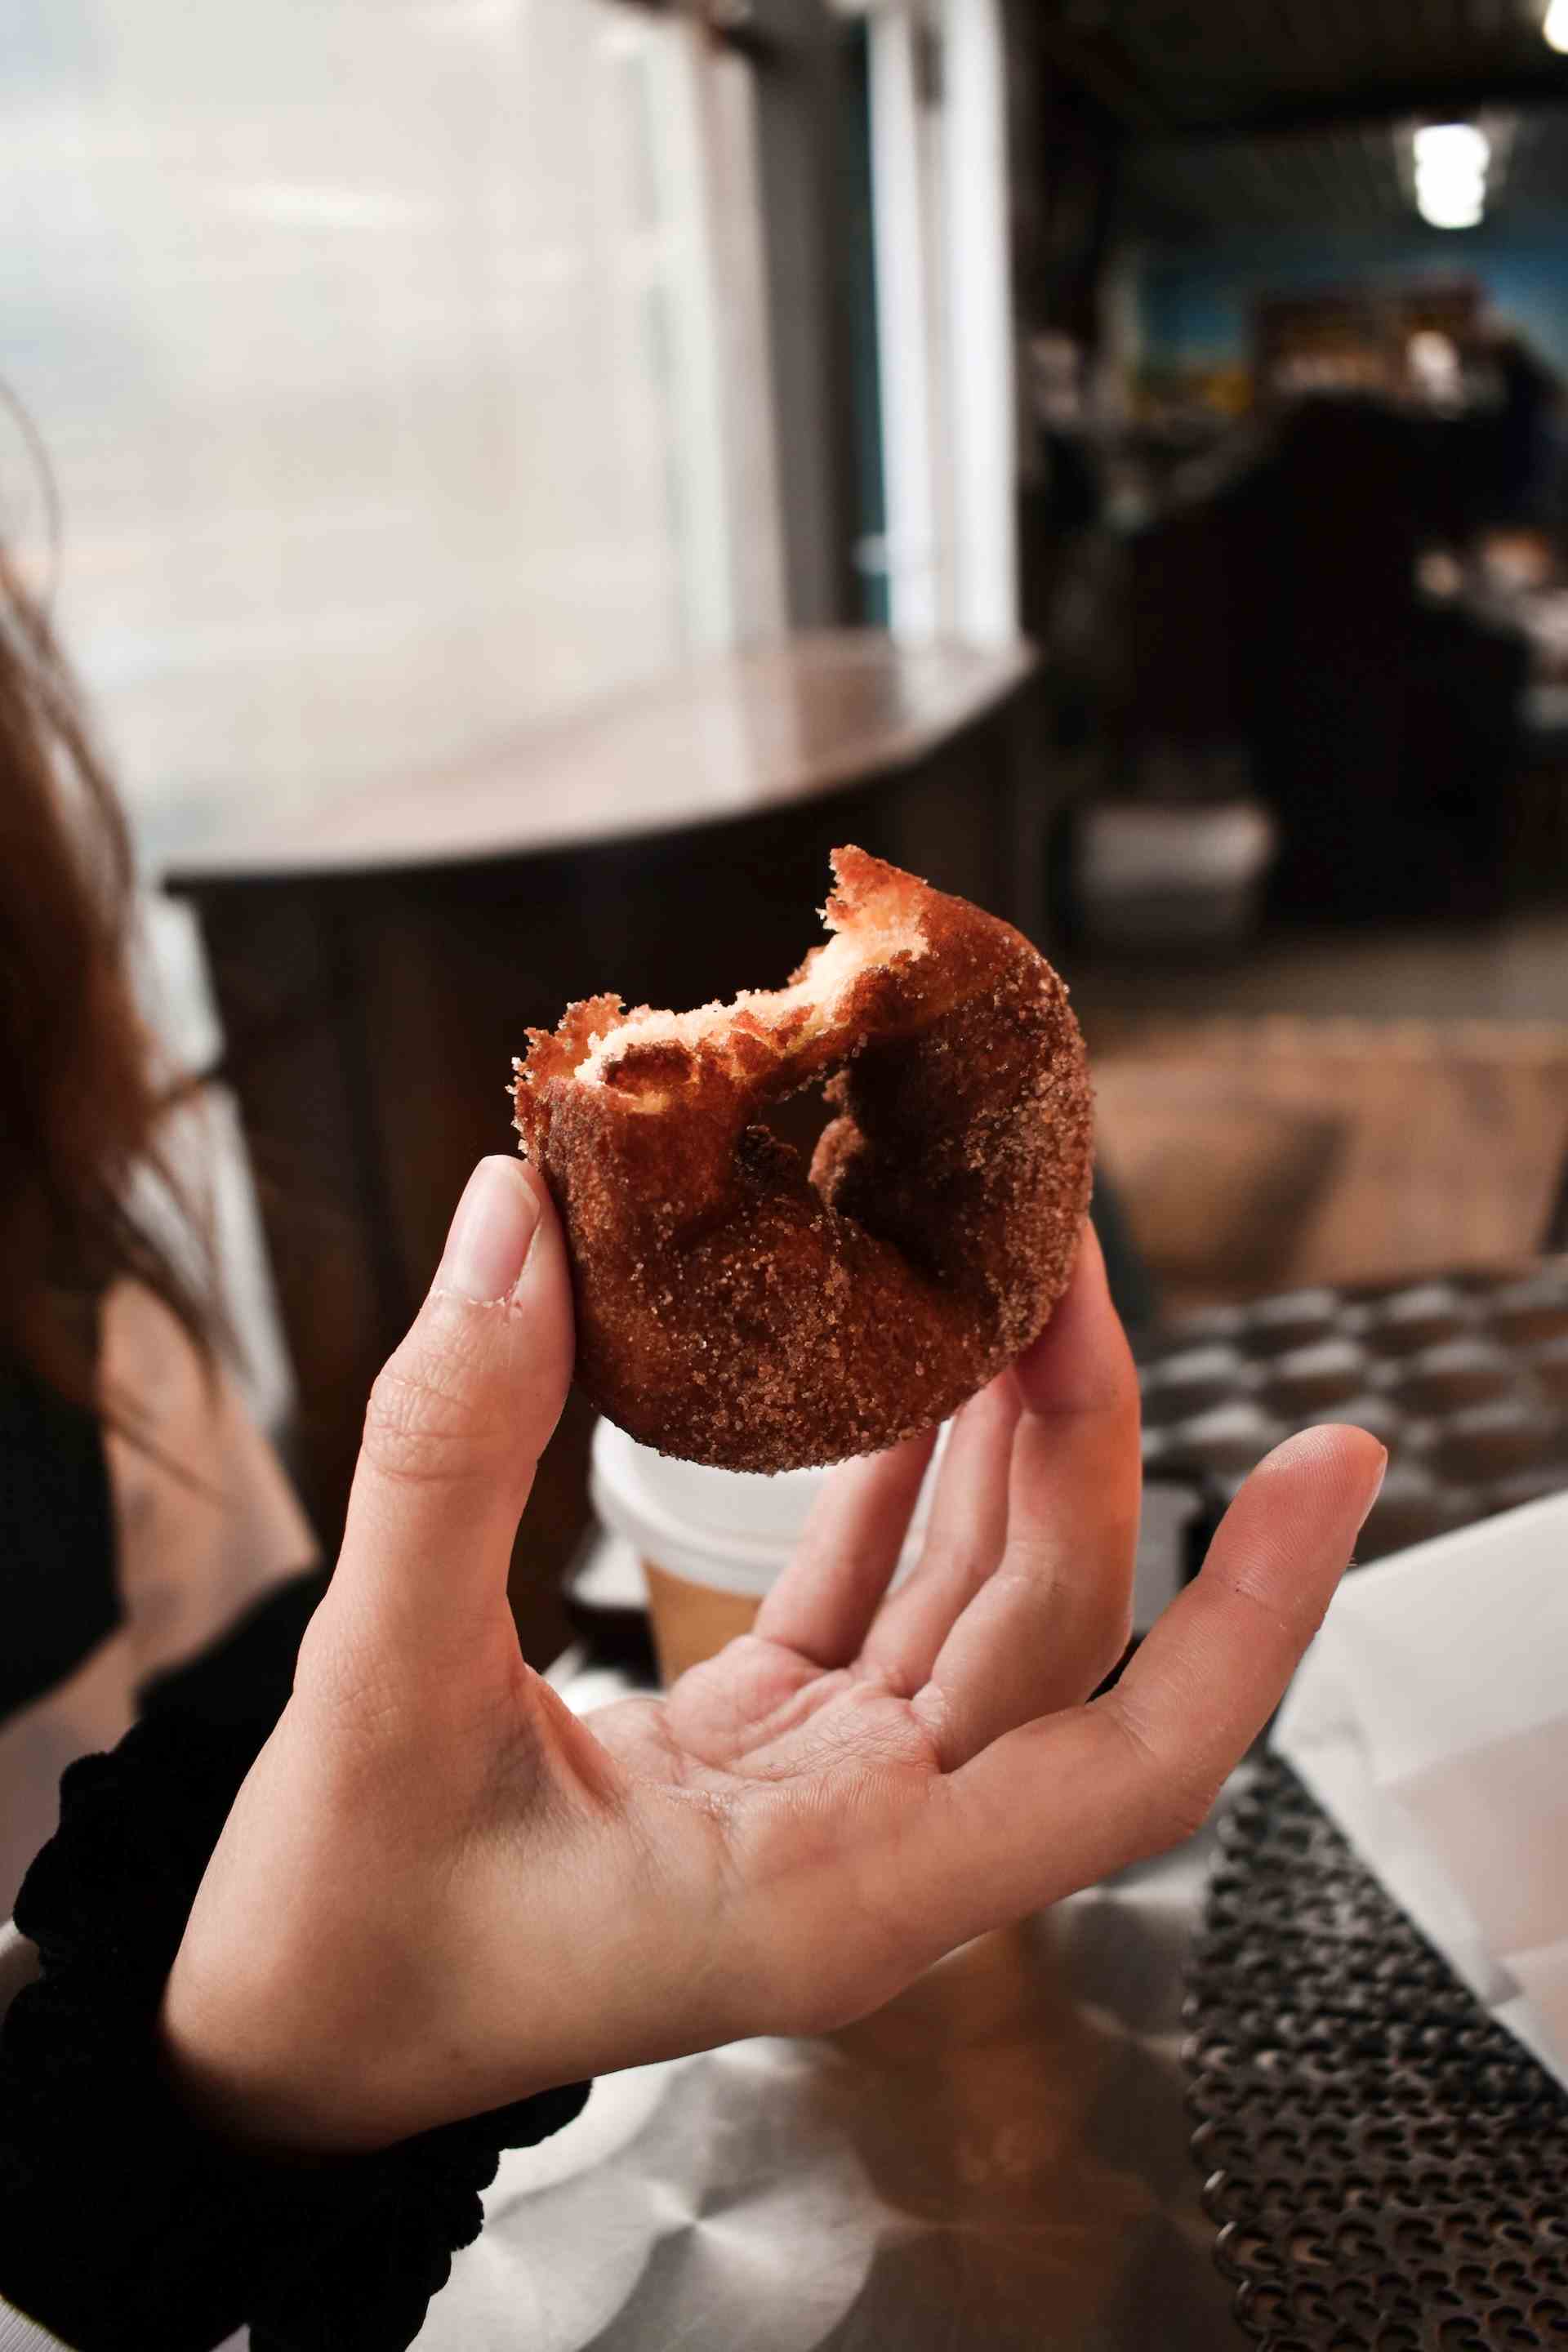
(441, 1890)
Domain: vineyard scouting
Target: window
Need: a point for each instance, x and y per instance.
(401, 367)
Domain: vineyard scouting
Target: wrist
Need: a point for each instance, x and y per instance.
(264, 2093)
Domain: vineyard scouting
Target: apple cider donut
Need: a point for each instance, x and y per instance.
(735, 1308)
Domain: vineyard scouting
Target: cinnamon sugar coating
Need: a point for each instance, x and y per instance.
(735, 1307)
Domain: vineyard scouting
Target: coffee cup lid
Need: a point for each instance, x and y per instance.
(733, 1529)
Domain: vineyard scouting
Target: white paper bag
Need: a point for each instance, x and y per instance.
(1430, 1720)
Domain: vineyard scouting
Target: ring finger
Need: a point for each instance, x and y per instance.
(1053, 1618)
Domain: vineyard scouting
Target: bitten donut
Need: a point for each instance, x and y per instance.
(735, 1308)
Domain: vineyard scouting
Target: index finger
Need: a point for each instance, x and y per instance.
(1066, 1800)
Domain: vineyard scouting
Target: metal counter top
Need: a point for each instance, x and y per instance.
(996, 2162)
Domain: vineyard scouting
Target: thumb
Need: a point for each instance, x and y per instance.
(460, 1415)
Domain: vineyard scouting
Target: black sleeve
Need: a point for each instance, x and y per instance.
(57, 1523)
(246, 1677)
(123, 2226)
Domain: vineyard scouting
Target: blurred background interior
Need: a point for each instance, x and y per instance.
(523, 479)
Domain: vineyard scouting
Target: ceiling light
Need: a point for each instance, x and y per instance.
(1451, 161)
(1443, 208)
(1556, 26)
(1452, 147)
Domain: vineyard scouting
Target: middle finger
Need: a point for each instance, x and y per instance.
(963, 1544)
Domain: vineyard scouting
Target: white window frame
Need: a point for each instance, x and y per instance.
(940, 199)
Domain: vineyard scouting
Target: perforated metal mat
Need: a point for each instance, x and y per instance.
(1464, 1377)
(1387, 2167)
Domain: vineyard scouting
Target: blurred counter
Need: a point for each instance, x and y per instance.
(771, 726)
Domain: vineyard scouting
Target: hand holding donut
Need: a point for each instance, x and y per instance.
(438, 1891)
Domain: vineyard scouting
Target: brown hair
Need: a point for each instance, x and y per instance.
(80, 1100)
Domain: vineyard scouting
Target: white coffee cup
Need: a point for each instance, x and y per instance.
(711, 1542)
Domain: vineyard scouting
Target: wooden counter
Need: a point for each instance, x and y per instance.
(378, 951)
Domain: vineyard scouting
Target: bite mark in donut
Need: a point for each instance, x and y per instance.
(737, 1308)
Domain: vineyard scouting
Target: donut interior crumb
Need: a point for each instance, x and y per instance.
(870, 928)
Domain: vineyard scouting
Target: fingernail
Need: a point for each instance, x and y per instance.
(488, 1245)
(1376, 1491)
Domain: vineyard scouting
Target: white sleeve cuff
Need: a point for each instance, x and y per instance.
(18, 1966)
(20, 2335)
